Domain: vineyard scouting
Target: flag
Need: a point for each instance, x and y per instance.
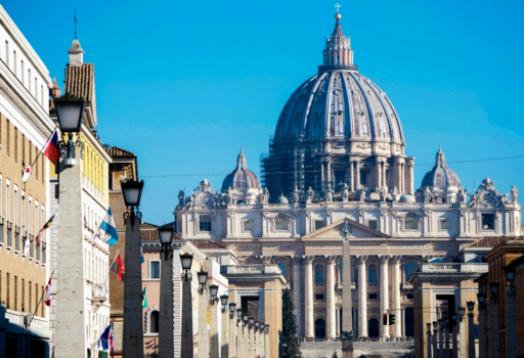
(38, 237)
(47, 293)
(144, 298)
(108, 227)
(105, 343)
(51, 150)
(26, 174)
(118, 267)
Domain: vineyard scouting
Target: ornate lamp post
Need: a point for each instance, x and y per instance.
(224, 339)
(133, 344)
(166, 346)
(186, 261)
(203, 302)
(70, 335)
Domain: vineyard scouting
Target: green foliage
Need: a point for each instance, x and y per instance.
(289, 343)
(334, 355)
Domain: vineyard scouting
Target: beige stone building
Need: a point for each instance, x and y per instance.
(25, 126)
(337, 170)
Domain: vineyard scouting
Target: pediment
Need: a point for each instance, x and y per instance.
(337, 230)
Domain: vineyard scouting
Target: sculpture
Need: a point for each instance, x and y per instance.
(345, 193)
(514, 194)
(310, 195)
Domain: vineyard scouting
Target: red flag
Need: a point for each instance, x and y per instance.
(47, 295)
(51, 150)
(118, 267)
(38, 237)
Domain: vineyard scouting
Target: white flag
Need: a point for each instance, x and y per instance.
(26, 174)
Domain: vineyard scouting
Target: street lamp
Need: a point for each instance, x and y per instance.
(239, 314)
(471, 337)
(133, 339)
(186, 260)
(213, 292)
(471, 306)
(202, 280)
(223, 301)
(232, 309)
(165, 234)
(69, 111)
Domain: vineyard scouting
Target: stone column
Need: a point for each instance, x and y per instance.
(166, 347)
(308, 297)
(187, 318)
(410, 180)
(213, 333)
(70, 332)
(232, 335)
(133, 332)
(330, 298)
(397, 297)
(203, 336)
(384, 294)
(362, 297)
(297, 294)
(357, 174)
(224, 337)
(352, 175)
(378, 174)
(347, 301)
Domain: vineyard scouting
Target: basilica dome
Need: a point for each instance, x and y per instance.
(441, 177)
(339, 103)
(338, 131)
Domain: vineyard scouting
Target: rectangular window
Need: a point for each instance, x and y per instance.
(7, 53)
(411, 222)
(8, 291)
(16, 144)
(319, 224)
(14, 63)
(30, 297)
(8, 201)
(22, 72)
(23, 150)
(154, 269)
(488, 221)
(373, 224)
(8, 137)
(15, 207)
(204, 223)
(319, 296)
(281, 223)
(373, 296)
(22, 300)
(15, 297)
(443, 224)
(36, 297)
(247, 226)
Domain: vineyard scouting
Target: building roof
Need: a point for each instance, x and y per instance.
(119, 153)
(80, 81)
(486, 242)
(208, 244)
(440, 177)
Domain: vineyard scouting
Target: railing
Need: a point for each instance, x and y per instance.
(99, 293)
(454, 267)
(393, 340)
(250, 269)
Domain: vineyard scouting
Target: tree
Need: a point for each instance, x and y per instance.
(289, 343)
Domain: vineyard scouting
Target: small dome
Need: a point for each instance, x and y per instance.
(282, 199)
(241, 179)
(441, 177)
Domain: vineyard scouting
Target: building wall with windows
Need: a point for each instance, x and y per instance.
(24, 128)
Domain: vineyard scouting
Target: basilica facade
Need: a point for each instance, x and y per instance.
(337, 170)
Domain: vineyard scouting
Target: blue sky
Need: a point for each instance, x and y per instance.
(186, 84)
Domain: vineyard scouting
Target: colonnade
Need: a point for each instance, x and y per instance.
(390, 281)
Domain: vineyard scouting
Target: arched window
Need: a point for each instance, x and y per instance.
(372, 274)
(411, 222)
(154, 318)
(282, 223)
(319, 275)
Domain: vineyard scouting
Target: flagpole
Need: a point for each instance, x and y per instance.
(39, 301)
(43, 148)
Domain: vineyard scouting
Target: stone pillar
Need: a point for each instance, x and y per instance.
(224, 337)
(187, 318)
(378, 174)
(232, 336)
(397, 297)
(70, 331)
(352, 175)
(362, 297)
(330, 298)
(297, 295)
(203, 336)
(166, 347)
(357, 174)
(347, 302)
(384, 294)
(213, 332)
(410, 180)
(308, 297)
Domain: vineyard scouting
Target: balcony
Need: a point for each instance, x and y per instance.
(36, 325)
(98, 294)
